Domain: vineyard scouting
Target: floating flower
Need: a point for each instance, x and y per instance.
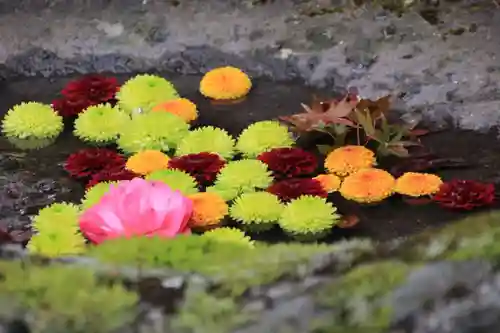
(94, 194)
(30, 144)
(69, 108)
(147, 161)
(256, 211)
(100, 124)
(244, 176)
(181, 107)
(91, 89)
(90, 161)
(208, 210)
(176, 180)
(329, 182)
(225, 83)
(111, 175)
(229, 235)
(152, 131)
(57, 215)
(207, 139)
(84, 92)
(227, 194)
(145, 91)
(32, 120)
(290, 189)
(137, 208)
(262, 136)
(204, 167)
(368, 186)
(349, 159)
(289, 162)
(465, 195)
(308, 218)
(57, 242)
(416, 184)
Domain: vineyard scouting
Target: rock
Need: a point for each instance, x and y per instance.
(379, 49)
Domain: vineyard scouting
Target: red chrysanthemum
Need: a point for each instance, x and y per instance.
(204, 167)
(111, 175)
(289, 162)
(290, 189)
(464, 194)
(90, 161)
(69, 108)
(94, 88)
(88, 90)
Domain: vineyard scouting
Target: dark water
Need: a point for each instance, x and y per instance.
(30, 180)
(33, 179)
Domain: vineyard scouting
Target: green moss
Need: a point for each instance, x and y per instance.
(235, 267)
(204, 313)
(358, 299)
(476, 236)
(60, 299)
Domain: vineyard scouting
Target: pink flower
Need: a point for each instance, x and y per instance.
(137, 207)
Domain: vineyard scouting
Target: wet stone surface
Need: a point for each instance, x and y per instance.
(28, 184)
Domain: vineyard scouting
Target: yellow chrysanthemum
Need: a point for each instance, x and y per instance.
(329, 182)
(208, 209)
(225, 83)
(415, 184)
(349, 159)
(147, 161)
(368, 185)
(181, 107)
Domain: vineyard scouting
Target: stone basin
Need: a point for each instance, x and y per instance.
(392, 273)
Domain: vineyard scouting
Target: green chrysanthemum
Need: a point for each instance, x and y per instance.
(31, 144)
(100, 124)
(229, 235)
(152, 131)
(176, 180)
(256, 211)
(308, 217)
(32, 120)
(243, 176)
(145, 91)
(59, 214)
(263, 136)
(59, 241)
(207, 139)
(94, 194)
(227, 194)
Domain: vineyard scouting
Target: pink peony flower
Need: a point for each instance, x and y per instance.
(137, 207)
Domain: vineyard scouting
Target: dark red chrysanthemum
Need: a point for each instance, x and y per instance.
(290, 189)
(94, 88)
(69, 108)
(464, 194)
(111, 175)
(204, 167)
(90, 161)
(289, 162)
(88, 90)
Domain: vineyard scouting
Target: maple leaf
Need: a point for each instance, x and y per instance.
(323, 113)
(348, 221)
(375, 109)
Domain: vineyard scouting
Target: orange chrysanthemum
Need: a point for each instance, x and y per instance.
(208, 209)
(368, 186)
(145, 162)
(349, 159)
(181, 107)
(225, 83)
(329, 182)
(416, 184)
